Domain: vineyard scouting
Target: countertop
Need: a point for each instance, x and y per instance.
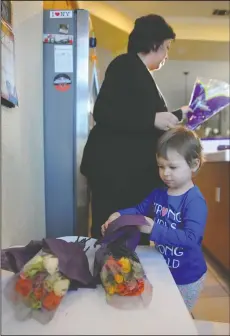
(218, 156)
(85, 312)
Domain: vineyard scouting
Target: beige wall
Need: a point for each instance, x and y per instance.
(23, 215)
(104, 57)
(171, 79)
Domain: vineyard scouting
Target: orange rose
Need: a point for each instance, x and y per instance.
(120, 288)
(140, 284)
(127, 291)
(23, 286)
(51, 301)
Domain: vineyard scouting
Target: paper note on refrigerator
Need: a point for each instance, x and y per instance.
(63, 58)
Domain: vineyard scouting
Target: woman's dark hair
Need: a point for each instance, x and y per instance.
(149, 33)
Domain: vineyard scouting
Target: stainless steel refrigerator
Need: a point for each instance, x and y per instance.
(70, 88)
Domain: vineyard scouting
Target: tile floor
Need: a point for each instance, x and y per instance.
(214, 302)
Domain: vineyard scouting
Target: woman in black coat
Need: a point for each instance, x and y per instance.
(130, 114)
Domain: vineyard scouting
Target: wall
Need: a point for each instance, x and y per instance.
(104, 57)
(171, 79)
(23, 215)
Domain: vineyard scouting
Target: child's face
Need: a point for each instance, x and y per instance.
(175, 171)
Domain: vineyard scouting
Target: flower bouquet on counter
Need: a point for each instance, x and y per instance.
(123, 276)
(39, 287)
(209, 97)
(118, 268)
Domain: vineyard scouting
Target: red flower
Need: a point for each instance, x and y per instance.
(124, 289)
(121, 288)
(23, 286)
(51, 301)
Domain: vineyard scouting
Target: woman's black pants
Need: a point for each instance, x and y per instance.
(103, 207)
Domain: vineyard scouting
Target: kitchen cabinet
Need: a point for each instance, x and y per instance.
(214, 182)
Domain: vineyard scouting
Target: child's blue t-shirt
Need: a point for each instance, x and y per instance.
(179, 223)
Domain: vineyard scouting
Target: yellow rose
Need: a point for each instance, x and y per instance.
(118, 278)
(125, 265)
(111, 290)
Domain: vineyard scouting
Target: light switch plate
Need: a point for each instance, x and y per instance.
(217, 195)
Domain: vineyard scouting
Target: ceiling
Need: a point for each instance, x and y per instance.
(191, 20)
(200, 36)
(183, 9)
(116, 41)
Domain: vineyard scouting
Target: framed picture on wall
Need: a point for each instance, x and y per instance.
(9, 96)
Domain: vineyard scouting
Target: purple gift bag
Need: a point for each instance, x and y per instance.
(209, 97)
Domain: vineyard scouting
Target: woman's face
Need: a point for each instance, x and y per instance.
(157, 58)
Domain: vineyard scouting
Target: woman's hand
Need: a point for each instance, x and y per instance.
(148, 227)
(111, 218)
(185, 110)
(165, 120)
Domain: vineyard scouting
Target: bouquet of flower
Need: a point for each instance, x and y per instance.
(39, 287)
(118, 267)
(40, 282)
(209, 97)
(123, 276)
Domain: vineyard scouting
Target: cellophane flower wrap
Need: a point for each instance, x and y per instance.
(118, 266)
(38, 288)
(209, 97)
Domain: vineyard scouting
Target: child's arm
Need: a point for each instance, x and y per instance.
(140, 209)
(194, 220)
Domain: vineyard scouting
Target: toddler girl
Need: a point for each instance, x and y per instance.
(177, 213)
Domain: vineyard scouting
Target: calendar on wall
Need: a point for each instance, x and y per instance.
(9, 96)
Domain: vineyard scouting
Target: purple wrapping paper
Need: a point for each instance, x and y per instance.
(122, 232)
(73, 262)
(124, 228)
(208, 98)
(14, 258)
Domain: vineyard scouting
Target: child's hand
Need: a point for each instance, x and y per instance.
(148, 227)
(111, 218)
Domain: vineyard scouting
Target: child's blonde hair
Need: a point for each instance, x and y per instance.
(184, 141)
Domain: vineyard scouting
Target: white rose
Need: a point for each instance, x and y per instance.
(50, 264)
